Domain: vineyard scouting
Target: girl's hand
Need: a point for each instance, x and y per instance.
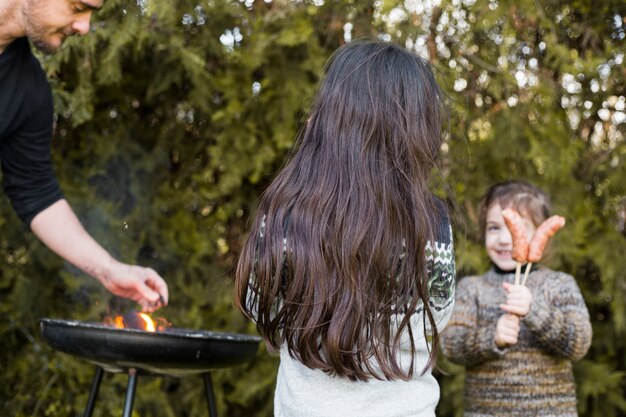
(518, 300)
(507, 330)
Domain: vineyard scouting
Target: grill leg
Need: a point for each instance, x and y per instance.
(93, 393)
(130, 392)
(208, 391)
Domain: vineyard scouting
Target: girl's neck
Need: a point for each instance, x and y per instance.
(500, 271)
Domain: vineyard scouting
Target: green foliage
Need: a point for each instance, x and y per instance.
(532, 109)
(173, 116)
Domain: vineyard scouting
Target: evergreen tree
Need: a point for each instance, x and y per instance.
(172, 116)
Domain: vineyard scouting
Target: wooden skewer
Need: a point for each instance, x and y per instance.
(527, 272)
(518, 271)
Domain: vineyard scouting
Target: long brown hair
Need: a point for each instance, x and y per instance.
(337, 248)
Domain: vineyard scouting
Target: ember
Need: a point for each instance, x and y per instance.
(138, 321)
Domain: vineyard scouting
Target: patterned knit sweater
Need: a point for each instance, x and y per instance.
(305, 392)
(533, 377)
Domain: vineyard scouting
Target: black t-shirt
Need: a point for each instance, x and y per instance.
(26, 112)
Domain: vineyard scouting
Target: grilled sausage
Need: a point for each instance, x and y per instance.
(518, 233)
(543, 233)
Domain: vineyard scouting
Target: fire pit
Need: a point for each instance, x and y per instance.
(174, 352)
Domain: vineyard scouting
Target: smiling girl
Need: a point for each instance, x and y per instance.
(517, 342)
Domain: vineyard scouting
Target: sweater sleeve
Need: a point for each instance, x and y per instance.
(463, 341)
(442, 270)
(252, 295)
(559, 319)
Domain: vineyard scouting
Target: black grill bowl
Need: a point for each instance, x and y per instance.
(173, 351)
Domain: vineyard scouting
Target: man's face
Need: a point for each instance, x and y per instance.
(49, 22)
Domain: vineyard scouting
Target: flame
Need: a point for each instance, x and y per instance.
(135, 320)
(149, 323)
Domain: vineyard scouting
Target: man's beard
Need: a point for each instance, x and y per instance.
(36, 31)
(43, 46)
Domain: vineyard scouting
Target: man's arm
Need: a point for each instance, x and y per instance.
(58, 228)
(26, 106)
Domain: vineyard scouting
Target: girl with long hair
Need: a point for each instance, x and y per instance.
(349, 269)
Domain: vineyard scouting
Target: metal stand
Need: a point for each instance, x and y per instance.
(131, 388)
(130, 392)
(93, 393)
(208, 391)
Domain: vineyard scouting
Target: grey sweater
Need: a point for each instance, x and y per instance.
(533, 377)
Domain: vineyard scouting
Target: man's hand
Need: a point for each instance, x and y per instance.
(58, 228)
(518, 300)
(137, 283)
(507, 330)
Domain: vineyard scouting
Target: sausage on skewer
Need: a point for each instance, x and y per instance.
(546, 230)
(520, 240)
(539, 241)
(516, 225)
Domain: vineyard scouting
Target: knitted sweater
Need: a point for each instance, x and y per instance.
(305, 392)
(533, 377)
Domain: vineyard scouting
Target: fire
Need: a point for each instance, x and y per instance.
(134, 320)
(148, 322)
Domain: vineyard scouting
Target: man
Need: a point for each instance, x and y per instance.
(26, 117)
